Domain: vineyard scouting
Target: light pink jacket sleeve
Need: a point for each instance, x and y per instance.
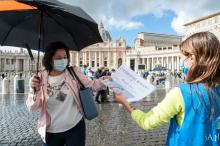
(95, 84)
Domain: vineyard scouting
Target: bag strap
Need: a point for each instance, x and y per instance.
(73, 74)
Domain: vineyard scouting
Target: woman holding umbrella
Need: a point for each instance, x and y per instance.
(61, 120)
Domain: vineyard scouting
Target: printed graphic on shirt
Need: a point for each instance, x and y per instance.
(52, 90)
(61, 96)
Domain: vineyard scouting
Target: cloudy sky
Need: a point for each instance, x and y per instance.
(128, 17)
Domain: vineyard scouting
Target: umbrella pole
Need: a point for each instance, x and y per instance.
(39, 39)
(39, 46)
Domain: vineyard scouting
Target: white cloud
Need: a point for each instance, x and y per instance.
(123, 24)
(178, 21)
(121, 14)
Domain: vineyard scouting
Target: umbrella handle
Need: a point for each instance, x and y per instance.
(35, 94)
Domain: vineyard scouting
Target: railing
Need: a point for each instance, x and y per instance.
(135, 52)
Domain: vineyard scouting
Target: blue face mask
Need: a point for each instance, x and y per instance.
(184, 69)
(60, 64)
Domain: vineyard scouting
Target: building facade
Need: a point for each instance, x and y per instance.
(17, 61)
(152, 50)
(109, 54)
(209, 23)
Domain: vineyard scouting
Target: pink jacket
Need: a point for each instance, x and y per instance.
(42, 96)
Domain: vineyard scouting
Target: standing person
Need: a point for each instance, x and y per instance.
(84, 69)
(3, 76)
(192, 107)
(102, 72)
(106, 73)
(90, 73)
(61, 120)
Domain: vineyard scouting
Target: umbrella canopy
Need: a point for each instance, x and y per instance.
(37, 23)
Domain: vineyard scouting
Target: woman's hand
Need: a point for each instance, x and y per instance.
(121, 99)
(35, 83)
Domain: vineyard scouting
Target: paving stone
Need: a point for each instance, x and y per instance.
(113, 126)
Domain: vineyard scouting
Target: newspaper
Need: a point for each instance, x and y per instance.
(125, 81)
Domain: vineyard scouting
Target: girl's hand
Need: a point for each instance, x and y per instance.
(121, 99)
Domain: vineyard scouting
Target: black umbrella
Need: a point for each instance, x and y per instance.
(36, 23)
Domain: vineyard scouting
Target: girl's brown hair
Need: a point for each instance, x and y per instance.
(206, 48)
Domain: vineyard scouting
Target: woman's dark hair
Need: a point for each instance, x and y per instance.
(49, 53)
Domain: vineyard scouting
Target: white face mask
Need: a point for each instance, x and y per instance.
(60, 64)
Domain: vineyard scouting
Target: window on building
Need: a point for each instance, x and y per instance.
(169, 48)
(13, 61)
(159, 49)
(119, 44)
(105, 63)
(164, 48)
(80, 63)
(93, 63)
(140, 60)
(7, 61)
(97, 64)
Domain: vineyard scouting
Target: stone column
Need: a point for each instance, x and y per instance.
(127, 62)
(108, 60)
(115, 61)
(173, 63)
(77, 59)
(95, 66)
(100, 58)
(90, 58)
(16, 65)
(178, 63)
(83, 59)
(157, 61)
(136, 64)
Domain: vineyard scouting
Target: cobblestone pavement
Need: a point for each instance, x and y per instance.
(113, 126)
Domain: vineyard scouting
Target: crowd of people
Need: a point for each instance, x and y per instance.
(100, 72)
